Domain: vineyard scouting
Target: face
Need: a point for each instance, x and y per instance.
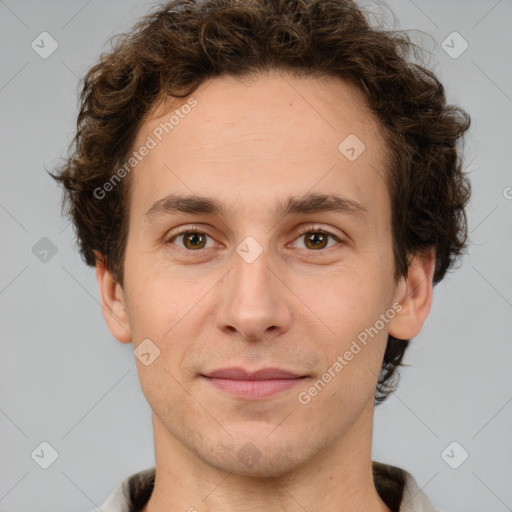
(279, 260)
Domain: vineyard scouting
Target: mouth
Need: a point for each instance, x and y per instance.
(247, 385)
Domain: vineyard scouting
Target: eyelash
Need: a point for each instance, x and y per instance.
(301, 232)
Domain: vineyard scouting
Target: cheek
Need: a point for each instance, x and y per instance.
(349, 309)
(347, 299)
(352, 357)
(168, 310)
(158, 296)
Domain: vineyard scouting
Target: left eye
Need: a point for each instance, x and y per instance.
(317, 239)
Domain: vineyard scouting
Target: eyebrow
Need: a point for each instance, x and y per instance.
(307, 204)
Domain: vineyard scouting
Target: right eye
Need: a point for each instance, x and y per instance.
(192, 239)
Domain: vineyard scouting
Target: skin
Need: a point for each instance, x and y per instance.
(251, 144)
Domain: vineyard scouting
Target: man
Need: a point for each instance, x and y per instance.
(269, 192)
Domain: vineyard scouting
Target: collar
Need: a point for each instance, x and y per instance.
(397, 488)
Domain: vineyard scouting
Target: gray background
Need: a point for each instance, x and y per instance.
(66, 381)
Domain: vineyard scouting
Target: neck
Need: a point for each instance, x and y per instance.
(337, 479)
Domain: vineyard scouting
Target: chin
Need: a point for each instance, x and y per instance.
(257, 457)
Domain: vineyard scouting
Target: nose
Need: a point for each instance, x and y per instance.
(254, 300)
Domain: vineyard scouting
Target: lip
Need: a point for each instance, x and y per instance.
(238, 373)
(256, 385)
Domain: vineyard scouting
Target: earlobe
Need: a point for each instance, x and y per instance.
(414, 293)
(113, 302)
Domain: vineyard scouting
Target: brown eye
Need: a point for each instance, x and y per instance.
(191, 240)
(194, 240)
(316, 240)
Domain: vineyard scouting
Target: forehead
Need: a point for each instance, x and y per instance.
(258, 138)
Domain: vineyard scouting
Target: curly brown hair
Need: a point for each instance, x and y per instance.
(181, 44)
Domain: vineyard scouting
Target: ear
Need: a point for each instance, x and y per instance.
(414, 293)
(113, 302)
